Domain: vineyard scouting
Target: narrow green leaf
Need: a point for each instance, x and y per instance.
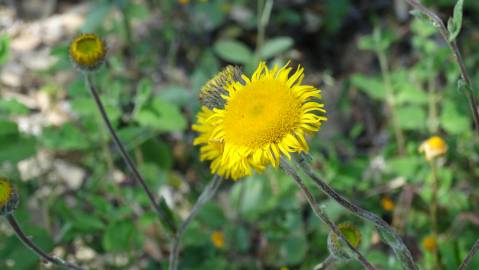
(275, 46)
(454, 24)
(233, 51)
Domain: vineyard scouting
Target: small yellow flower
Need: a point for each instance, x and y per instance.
(284, 268)
(433, 147)
(87, 51)
(263, 118)
(184, 2)
(352, 235)
(8, 197)
(388, 204)
(218, 239)
(429, 243)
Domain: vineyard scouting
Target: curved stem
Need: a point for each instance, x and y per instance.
(324, 265)
(469, 256)
(205, 196)
(322, 215)
(37, 250)
(457, 56)
(125, 155)
(388, 233)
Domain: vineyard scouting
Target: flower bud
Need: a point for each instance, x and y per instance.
(8, 197)
(337, 248)
(87, 51)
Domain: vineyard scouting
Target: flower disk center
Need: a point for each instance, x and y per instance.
(261, 113)
(88, 45)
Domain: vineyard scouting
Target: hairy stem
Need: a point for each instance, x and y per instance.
(391, 237)
(324, 265)
(205, 196)
(321, 214)
(457, 57)
(37, 250)
(469, 256)
(125, 155)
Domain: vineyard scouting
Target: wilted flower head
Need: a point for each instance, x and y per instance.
(433, 147)
(257, 120)
(8, 197)
(87, 51)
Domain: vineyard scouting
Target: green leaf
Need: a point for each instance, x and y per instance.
(67, 138)
(454, 24)
(122, 236)
(14, 146)
(275, 46)
(411, 117)
(162, 116)
(371, 86)
(233, 51)
(96, 16)
(4, 48)
(12, 107)
(452, 120)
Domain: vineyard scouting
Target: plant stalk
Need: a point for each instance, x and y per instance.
(125, 155)
(321, 214)
(205, 196)
(391, 237)
(452, 44)
(37, 250)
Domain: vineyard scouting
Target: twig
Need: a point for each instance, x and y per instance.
(322, 215)
(124, 153)
(388, 233)
(205, 196)
(469, 256)
(457, 56)
(37, 250)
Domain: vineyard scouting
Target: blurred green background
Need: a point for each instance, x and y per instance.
(388, 80)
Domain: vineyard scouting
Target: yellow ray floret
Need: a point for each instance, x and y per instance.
(264, 117)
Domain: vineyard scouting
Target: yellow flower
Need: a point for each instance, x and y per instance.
(433, 147)
(263, 118)
(429, 243)
(387, 203)
(87, 51)
(184, 2)
(8, 197)
(218, 239)
(284, 268)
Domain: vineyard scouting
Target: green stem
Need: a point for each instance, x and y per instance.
(321, 214)
(37, 250)
(125, 155)
(205, 196)
(433, 122)
(452, 44)
(433, 213)
(264, 13)
(330, 260)
(391, 237)
(383, 63)
(469, 256)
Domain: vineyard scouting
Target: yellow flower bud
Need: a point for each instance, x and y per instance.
(387, 203)
(8, 197)
(429, 243)
(87, 51)
(218, 239)
(433, 147)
